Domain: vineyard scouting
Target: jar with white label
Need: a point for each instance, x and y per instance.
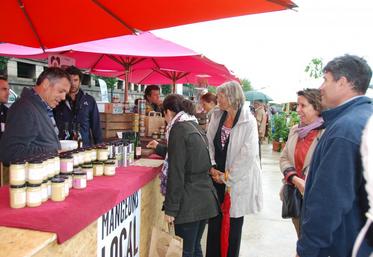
(35, 171)
(49, 188)
(87, 155)
(17, 196)
(49, 165)
(58, 189)
(75, 155)
(79, 180)
(98, 168)
(33, 195)
(17, 173)
(66, 183)
(109, 168)
(103, 153)
(69, 176)
(93, 152)
(44, 191)
(57, 165)
(66, 163)
(88, 169)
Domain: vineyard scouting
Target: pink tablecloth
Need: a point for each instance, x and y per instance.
(81, 207)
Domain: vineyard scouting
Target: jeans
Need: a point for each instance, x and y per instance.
(191, 233)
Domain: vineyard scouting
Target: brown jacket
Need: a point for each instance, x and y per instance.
(261, 119)
(287, 154)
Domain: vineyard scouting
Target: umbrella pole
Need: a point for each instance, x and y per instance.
(173, 86)
(126, 85)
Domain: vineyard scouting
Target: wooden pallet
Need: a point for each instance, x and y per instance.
(113, 123)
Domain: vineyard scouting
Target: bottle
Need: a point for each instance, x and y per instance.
(137, 146)
(66, 131)
(79, 136)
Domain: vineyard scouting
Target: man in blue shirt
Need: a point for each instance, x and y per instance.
(79, 110)
(335, 200)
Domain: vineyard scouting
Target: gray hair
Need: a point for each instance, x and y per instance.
(234, 93)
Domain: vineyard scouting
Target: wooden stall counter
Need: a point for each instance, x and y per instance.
(25, 242)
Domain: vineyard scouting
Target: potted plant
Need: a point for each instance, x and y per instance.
(280, 131)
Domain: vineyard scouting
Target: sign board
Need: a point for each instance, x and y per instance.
(118, 230)
(103, 88)
(60, 61)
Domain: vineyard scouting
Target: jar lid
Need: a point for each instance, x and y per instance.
(35, 161)
(64, 176)
(76, 167)
(58, 180)
(17, 186)
(109, 162)
(97, 162)
(66, 173)
(66, 156)
(86, 165)
(112, 159)
(79, 173)
(33, 185)
(45, 181)
(16, 162)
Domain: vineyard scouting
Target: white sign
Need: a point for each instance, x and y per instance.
(103, 88)
(118, 230)
(60, 61)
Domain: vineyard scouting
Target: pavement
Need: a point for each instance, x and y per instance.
(266, 234)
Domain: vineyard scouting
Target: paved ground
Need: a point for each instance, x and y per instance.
(266, 234)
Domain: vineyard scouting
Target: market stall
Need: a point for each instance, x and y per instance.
(113, 214)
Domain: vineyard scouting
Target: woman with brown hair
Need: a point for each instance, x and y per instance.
(296, 156)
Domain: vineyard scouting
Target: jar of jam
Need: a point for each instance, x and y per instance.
(35, 171)
(103, 153)
(88, 169)
(17, 196)
(66, 163)
(17, 173)
(57, 165)
(66, 183)
(58, 189)
(98, 168)
(44, 190)
(109, 168)
(33, 195)
(79, 180)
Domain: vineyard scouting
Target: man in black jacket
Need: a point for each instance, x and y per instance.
(4, 94)
(79, 110)
(31, 129)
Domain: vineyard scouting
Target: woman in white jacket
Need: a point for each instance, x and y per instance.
(233, 145)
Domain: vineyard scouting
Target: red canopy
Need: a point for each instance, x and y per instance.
(46, 23)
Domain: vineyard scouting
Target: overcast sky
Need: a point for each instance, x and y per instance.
(272, 49)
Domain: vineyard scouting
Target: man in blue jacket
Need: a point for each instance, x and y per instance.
(79, 110)
(335, 200)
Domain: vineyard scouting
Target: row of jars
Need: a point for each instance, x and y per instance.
(57, 188)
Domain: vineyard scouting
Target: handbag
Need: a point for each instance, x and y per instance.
(292, 202)
(165, 244)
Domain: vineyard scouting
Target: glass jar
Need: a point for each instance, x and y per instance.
(58, 189)
(33, 195)
(50, 166)
(109, 168)
(93, 152)
(75, 155)
(88, 169)
(49, 188)
(17, 196)
(79, 180)
(44, 191)
(57, 165)
(66, 183)
(69, 176)
(87, 156)
(98, 168)
(66, 163)
(35, 171)
(103, 153)
(17, 173)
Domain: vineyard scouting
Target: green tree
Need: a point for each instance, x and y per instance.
(166, 89)
(3, 65)
(314, 68)
(211, 89)
(110, 82)
(246, 85)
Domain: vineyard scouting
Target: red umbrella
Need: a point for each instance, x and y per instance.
(225, 223)
(47, 24)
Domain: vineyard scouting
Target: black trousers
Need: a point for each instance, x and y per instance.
(191, 233)
(213, 237)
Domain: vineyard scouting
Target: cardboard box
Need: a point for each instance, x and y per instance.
(114, 108)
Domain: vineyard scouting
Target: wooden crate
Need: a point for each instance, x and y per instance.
(113, 123)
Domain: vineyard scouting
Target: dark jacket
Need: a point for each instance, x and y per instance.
(29, 130)
(335, 199)
(190, 194)
(84, 112)
(3, 115)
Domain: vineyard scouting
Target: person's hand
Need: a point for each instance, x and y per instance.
(152, 144)
(217, 175)
(299, 184)
(169, 219)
